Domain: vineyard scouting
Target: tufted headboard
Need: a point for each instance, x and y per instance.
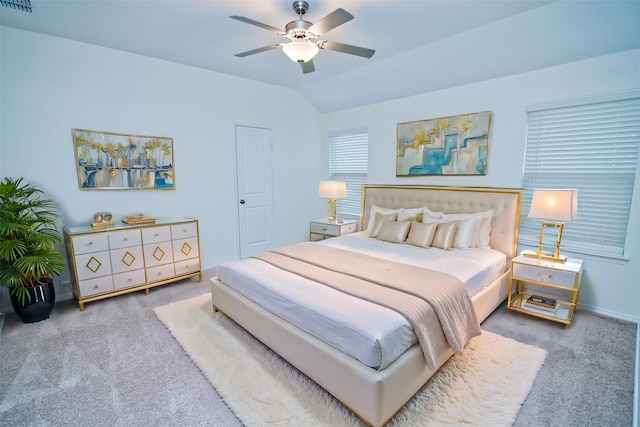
(505, 202)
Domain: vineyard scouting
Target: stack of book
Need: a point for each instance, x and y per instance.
(543, 305)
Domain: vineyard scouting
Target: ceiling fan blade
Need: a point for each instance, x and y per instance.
(260, 49)
(278, 31)
(331, 21)
(308, 67)
(346, 48)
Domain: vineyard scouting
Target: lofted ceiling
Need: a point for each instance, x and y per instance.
(420, 46)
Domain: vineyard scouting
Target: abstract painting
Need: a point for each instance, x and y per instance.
(455, 145)
(107, 160)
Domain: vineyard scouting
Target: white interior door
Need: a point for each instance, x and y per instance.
(254, 158)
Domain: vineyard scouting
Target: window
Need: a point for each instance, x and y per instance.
(590, 145)
(348, 160)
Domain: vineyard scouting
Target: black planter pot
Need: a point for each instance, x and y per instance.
(39, 308)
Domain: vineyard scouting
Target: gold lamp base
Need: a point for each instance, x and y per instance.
(333, 209)
(548, 256)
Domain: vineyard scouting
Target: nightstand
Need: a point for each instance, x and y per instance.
(321, 229)
(545, 289)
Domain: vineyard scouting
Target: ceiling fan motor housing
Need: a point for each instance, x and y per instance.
(298, 30)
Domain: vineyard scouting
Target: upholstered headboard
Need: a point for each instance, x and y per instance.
(505, 202)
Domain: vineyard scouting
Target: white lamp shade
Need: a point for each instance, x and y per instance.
(332, 190)
(300, 51)
(554, 205)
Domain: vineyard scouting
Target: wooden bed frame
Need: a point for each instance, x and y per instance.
(375, 396)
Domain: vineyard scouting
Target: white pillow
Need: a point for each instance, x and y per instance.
(429, 213)
(484, 231)
(473, 229)
(375, 209)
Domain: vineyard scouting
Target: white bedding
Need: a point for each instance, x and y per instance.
(372, 334)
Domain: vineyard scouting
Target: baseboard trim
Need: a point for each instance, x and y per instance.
(607, 313)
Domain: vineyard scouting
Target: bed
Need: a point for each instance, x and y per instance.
(370, 379)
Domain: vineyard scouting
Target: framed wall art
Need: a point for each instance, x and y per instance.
(107, 160)
(455, 145)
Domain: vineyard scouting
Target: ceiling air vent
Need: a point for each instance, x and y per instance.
(23, 5)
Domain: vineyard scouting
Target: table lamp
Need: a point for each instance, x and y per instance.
(553, 207)
(332, 190)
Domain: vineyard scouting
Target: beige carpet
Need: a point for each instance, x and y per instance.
(485, 385)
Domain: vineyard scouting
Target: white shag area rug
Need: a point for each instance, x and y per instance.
(485, 385)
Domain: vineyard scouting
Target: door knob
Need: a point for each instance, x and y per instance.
(242, 201)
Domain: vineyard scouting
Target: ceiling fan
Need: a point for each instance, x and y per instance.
(303, 37)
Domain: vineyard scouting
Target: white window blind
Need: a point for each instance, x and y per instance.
(592, 146)
(348, 160)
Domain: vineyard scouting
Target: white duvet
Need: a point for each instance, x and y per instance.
(372, 334)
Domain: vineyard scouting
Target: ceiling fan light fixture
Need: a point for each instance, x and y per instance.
(300, 50)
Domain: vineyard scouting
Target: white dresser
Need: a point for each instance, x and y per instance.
(128, 258)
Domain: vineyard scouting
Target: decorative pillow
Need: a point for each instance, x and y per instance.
(405, 214)
(377, 222)
(394, 231)
(377, 209)
(445, 233)
(422, 234)
(473, 229)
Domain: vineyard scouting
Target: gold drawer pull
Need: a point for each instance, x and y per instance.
(125, 239)
(90, 243)
(324, 229)
(159, 274)
(156, 235)
(96, 286)
(129, 279)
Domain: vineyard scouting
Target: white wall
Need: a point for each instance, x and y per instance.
(51, 85)
(607, 287)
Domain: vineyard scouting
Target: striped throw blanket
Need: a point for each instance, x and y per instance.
(427, 298)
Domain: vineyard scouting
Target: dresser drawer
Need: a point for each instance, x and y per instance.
(161, 272)
(124, 239)
(156, 234)
(158, 254)
(128, 279)
(330, 229)
(185, 249)
(544, 274)
(187, 266)
(89, 266)
(181, 231)
(87, 243)
(127, 259)
(95, 286)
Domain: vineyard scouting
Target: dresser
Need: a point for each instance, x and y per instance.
(127, 258)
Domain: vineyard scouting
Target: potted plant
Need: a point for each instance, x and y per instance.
(28, 258)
